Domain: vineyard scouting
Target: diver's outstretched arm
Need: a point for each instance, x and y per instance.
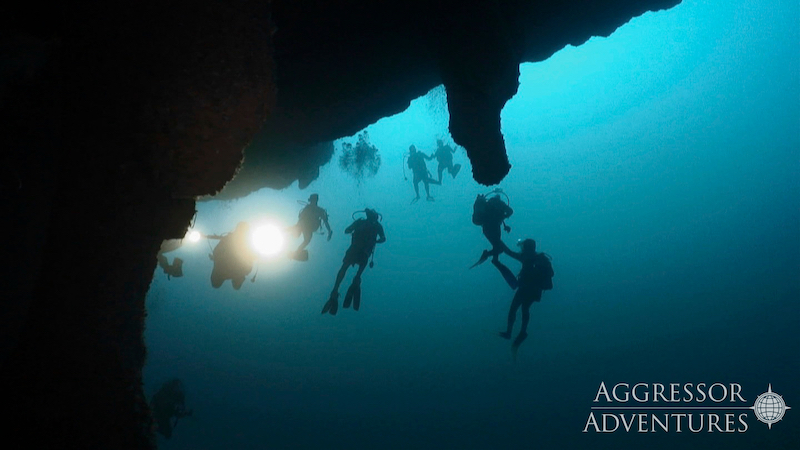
(513, 254)
(327, 226)
(381, 235)
(352, 227)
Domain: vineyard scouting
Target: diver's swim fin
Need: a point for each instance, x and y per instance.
(519, 340)
(353, 295)
(456, 168)
(357, 296)
(348, 298)
(512, 281)
(482, 259)
(175, 269)
(332, 306)
(300, 255)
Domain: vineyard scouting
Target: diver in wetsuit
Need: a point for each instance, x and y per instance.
(444, 155)
(233, 258)
(174, 269)
(491, 214)
(416, 162)
(367, 232)
(168, 405)
(535, 276)
(309, 221)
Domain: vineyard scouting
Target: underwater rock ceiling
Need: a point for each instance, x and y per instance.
(117, 116)
(343, 65)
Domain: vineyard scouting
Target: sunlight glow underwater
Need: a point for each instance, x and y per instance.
(193, 236)
(267, 239)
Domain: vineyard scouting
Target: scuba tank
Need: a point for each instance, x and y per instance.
(481, 209)
(380, 219)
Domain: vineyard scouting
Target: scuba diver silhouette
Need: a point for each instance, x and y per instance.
(535, 276)
(174, 269)
(310, 219)
(367, 232)
(444, 155)
(233, 258)
(419, 169)
(490, 214)
(168, 405)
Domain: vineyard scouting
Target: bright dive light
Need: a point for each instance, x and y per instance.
(193, 236)
(267, 240)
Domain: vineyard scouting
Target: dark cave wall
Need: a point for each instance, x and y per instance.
(116, 117)
(134, 110)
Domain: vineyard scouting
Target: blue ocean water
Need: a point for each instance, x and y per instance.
(658, 167)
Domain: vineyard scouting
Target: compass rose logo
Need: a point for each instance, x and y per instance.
(769, 407)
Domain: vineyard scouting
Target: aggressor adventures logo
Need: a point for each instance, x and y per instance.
(769, 407)
(679, 408)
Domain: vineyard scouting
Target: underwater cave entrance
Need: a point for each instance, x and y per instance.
(196, 332)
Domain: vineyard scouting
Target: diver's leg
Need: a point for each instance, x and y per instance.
(163, 262)
(526, 316)
(294, 230)
(216, 280)
(492, 233)
(503, 247)
(487, 232)
(332, 305)
(416, 185)
(340, 276)
(307, 235)
(506, 273)
(356, 286)
(512, 316)
(486, 253)
(498, 246)
(301, 254)
(523, 330)
(426, 183)
(298, 253)
(237, 282)
(175, 269)
(361, 266)
(441, 171)
(455, 170)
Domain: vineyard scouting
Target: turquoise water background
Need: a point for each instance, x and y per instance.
(658, 167)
